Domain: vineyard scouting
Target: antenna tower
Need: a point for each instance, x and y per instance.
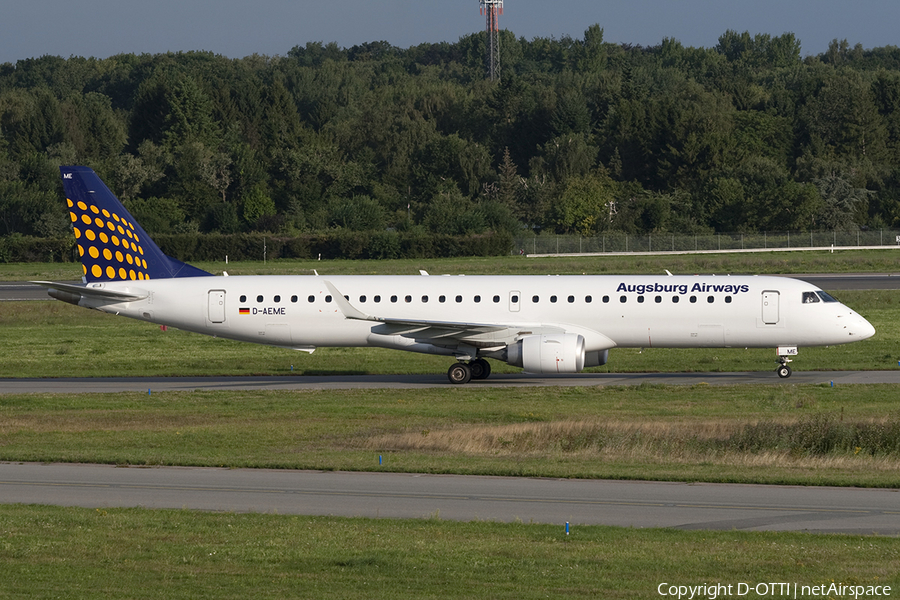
(492, 9)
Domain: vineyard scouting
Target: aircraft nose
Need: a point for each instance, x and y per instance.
(861, 329)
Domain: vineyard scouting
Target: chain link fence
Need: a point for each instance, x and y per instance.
(673, 242)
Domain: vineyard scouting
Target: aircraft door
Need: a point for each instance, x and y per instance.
(770, 306)
(515, 299)
(216, 306)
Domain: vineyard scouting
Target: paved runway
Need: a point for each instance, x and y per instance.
(458, 498)
(14, 291)
(90, 385)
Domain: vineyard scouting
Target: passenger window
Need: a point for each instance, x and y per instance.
(293, 298)
(710, 299)
(424, 299)
(408, 299)
(623, 299)
(675, 299)
(377, 299)
(442, 299)
(477, 298)
(514, 299)
(277, 299)
(259, 298)
(552, 298)
(810, 297)
(393, 298)
(496, 299)
(535, 299)
(727, 299)
(658, 299)
(312, 299)
(605, 299)
(588, 299)
(571, 299)
(640, 299)
(693, 299)
(327, 298)
(459, 298)
(362, 299)
(243, 298)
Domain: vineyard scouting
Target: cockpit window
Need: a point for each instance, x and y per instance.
(810, 297)
(827, 297)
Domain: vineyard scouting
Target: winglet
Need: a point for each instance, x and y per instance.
(346, 308)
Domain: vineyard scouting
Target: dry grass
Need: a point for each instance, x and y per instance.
(684, 442)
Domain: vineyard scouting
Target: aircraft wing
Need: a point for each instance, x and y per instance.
(474, 333)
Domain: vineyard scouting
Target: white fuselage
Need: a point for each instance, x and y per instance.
(608, 311)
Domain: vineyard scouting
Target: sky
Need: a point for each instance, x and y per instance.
(238, 28)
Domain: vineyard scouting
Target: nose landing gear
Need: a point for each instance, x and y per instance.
(783, 370)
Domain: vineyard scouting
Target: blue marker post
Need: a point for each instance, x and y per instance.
(567, 528)
(379, 460)
(148, 391)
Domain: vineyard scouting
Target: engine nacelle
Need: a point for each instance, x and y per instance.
(551, 353)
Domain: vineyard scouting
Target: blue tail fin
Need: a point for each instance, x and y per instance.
(111, 244)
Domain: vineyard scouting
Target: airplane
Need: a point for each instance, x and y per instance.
(541, 323)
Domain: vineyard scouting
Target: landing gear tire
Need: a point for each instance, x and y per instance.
(459, 373)
(481, 369)
(783, 371)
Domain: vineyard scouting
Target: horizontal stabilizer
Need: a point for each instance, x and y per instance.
(85, 291)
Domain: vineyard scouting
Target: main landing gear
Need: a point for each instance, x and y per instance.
(464, 372)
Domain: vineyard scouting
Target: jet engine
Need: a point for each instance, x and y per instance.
(549, 353)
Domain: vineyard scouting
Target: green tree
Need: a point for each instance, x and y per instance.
(842, 204)
(586, 206)
(255, 205)
(359, 213)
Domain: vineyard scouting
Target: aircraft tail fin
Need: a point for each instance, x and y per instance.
(112, 245)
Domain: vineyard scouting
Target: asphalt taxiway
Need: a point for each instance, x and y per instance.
(463, 498)
(287, 383)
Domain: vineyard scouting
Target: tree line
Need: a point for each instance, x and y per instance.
(578, 136)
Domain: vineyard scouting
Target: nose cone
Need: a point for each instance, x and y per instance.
(860, 329)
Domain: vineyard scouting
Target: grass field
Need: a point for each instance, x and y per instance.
(136, 554)
(807, 435)
(848, 435)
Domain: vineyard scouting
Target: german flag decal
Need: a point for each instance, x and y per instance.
(244, 311)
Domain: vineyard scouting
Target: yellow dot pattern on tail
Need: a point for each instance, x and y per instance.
(112, 246)
(108, 243)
